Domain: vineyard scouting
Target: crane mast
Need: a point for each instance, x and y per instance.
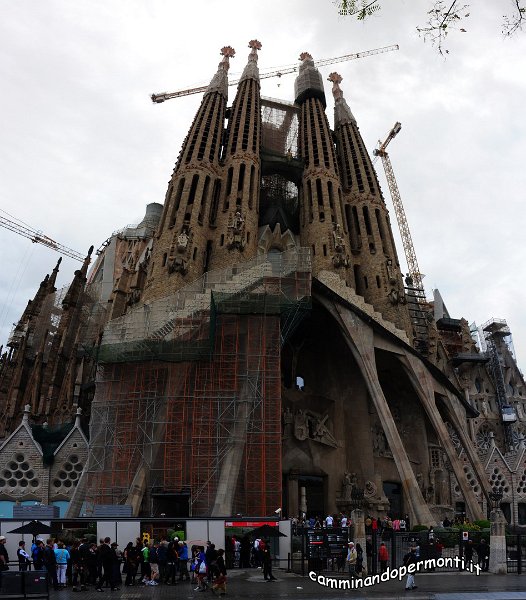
(37, 237)
(158, 98)
(416, 297)
(409, 249)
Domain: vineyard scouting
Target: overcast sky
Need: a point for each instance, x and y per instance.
(83, 149)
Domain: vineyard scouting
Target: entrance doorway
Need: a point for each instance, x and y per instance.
(315, 494)
(393, 492)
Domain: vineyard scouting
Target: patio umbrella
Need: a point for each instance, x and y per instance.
(33, 528)
(266, 531)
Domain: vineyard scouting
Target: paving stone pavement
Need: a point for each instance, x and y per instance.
(250, 584)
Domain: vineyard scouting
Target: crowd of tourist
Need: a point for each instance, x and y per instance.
(83, 564)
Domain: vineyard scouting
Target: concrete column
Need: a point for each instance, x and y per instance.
(293, 495)
(360, 339)
(497, 556)
(358, 519)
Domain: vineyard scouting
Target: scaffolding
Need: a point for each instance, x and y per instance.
(495, 331)
(280, 125)
(188, 419)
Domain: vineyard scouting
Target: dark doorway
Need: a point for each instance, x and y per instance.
(393, 492)
(315, 492)
(460, 510)
(171, 505)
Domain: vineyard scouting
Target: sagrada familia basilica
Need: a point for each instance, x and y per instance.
(253, 343)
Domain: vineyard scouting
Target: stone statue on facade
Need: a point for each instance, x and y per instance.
(177, 260)
(288, 423)
(340, 258)
(236, 231)
(347, 486)
(301, 426)
(310, 425)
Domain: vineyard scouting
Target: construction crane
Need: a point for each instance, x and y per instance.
(158, 98)
(409, 249)
(416, 296)
(37, 237)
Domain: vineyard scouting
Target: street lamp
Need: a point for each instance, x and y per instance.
(495, 499)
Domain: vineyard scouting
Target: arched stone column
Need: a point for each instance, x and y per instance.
(360, 340)
(423, 384)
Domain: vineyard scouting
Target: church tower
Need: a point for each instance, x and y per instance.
(181, 251)
(236, 219)
(321, 218)
(375, 265)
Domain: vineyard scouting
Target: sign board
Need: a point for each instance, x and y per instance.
(465, 536)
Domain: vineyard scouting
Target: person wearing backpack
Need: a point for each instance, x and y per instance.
(131, 561)
(37, 554)
(50, 563)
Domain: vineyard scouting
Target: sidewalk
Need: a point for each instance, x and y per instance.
(250, 584)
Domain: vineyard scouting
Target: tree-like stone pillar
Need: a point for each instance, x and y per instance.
(360, 340)
(497, 544)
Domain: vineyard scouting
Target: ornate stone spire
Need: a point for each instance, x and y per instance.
(27, 412)
(342, 112)
(219, 81)
(251, 71)
(52, 280)
(309, 83)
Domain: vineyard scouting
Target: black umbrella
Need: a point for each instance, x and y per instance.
(33, 528)
(266, 531)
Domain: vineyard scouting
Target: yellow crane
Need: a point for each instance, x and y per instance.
(415, 293)
(37, 237)
(409, 249)
(158, 98)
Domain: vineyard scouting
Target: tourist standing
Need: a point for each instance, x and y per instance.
(220, 581)
(383, 557)
(23, 557)
(483, 554)
(267, 562)
(351, 558)
(50, 563)
(183, 561)
(410, 559)
(61, 560)
(4, 556)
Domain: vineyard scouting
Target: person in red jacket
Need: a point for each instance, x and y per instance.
(383, 557)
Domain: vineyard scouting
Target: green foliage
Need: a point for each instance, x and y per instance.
(360, 9)
(468, 527)
(482, 523)
(172, 533)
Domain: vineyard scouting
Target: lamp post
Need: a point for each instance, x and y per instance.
(495, 498)
(497, 557)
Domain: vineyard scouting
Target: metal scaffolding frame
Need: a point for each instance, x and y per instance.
(176, 416)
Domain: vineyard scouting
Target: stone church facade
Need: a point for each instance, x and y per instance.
(256, 346)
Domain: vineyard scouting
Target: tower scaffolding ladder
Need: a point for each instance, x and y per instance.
(493, 330)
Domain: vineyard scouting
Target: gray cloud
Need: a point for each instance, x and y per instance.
(84, 149)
